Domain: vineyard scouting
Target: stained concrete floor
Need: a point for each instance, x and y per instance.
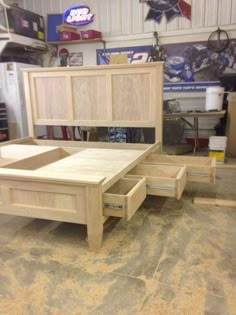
(173, 257)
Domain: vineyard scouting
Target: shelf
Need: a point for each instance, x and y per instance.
(80, 41)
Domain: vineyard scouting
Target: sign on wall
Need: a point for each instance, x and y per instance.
(168, 8)
(188, 67)
(78, 15)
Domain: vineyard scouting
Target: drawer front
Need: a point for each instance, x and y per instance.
(162, 180)
(124, 198)
(199, 169)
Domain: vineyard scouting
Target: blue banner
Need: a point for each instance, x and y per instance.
(189, 67)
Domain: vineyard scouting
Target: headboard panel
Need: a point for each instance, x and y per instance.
(114, 95)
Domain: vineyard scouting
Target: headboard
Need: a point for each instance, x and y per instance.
(113, 95)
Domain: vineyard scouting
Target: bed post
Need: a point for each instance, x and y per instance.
(95, 217)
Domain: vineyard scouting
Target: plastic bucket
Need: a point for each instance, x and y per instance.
(214, 98)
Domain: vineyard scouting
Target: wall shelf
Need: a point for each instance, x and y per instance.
(80, 41)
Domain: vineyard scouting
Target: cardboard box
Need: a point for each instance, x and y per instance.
(68, 28)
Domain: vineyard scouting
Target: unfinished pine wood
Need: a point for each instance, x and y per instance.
(124, 198)
(98, 145)
(107, 163)
(38, 161)
(215, 202)
(44, 200)
(132, 108)
(95, 219)
(27, 157)
(50, 100)
(226, 167)
(162, 180)
(120, 96)
(199, 169)
(89, 98)
(70, 181)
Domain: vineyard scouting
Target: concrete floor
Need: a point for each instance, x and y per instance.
(173, 257)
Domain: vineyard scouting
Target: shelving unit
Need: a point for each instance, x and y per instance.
(80, 41)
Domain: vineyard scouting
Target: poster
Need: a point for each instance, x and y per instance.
(189, 67)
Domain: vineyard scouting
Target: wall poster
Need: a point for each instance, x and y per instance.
(189, 67)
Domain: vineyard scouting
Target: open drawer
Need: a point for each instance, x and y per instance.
(124, 198)
(162, 180)
(199, 169)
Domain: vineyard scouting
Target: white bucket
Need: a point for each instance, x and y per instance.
(214, 98)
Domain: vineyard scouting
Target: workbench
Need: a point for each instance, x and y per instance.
(86, 182)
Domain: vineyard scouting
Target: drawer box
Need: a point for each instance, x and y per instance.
(199, 169)
(124, 198)
(162, 180)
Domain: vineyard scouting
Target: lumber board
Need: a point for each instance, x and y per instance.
(215, 202)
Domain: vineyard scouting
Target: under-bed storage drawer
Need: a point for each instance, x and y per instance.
(124, 198)
(162, 180)
(199, 169)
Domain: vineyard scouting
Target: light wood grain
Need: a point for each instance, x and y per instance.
(124, 198)
(199, 169)
(89, 98)
(162, 180)
(43, 200)
(215, 202)
(124, 96)
(95, 219)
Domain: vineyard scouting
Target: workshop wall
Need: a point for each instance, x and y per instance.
(124, 20)
(122, 23)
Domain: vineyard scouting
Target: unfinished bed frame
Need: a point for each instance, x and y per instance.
(85, 182)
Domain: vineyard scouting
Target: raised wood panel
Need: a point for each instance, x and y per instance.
(42, 200)
(51, 98)
(58, 201)
(137, 107)
(119, 96)
(89, 98)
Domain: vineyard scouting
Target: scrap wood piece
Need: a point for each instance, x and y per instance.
(226, 166)
(215, 202)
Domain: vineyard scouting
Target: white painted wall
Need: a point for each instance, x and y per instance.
(124, 20)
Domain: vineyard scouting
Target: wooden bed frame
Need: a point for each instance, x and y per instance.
(86, 182)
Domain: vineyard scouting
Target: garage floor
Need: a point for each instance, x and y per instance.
(173, 257)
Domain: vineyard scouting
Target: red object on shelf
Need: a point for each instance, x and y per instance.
(202, 142)
(90, 34)
(64, 36)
